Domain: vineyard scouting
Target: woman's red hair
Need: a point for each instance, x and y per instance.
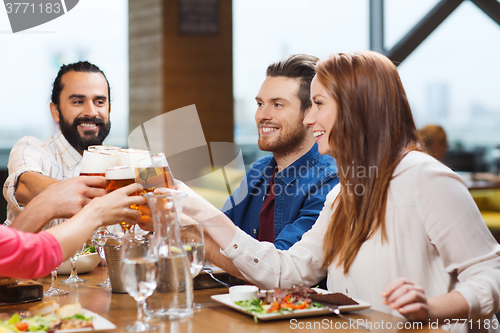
(373, 131)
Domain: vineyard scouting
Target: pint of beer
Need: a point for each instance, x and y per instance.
(118, 177)
(102, 147)
(129, 157)
(153, 173)
(95, 163)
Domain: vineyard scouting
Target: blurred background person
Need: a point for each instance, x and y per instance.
(435, 141)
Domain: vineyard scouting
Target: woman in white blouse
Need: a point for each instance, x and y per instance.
(400, 231)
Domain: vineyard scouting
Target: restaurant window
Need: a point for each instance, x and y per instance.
(93, 30)
(451, 79)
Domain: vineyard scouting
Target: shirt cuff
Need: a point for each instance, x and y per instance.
(471, 299)
(254, 259)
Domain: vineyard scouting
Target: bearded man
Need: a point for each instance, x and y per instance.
(285, 192)
(281, 196)
(81, 105)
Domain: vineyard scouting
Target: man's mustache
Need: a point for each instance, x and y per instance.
(84, 120)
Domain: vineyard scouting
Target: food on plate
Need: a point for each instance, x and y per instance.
(279, 301)
(89, 250)
(44, 308)
(47, 317)
(291, 299)
(69, 310)
(5, 281)
(334, 299)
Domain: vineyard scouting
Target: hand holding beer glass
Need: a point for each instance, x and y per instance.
(118, 177)
(153, 173)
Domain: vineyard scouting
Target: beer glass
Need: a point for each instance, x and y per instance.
(153, 173)
(129, 157)
(118, 177)
(103, 148)
(95, 163)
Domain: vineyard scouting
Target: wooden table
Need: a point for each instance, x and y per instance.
(214, 317)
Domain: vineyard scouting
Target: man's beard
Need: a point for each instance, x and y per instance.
(70, 131)
(286, 143)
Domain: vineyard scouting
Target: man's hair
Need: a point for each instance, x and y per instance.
(81, 66)
(297, 66)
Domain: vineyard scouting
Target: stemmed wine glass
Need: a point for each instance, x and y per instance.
(138, 268)
(100, 237)
(53, 290)
(74, 278)
(194, 246)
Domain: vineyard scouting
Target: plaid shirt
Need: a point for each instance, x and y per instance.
(54, 158)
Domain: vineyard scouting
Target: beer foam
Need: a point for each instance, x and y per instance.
(129, 157)
(97, 162)
(102, 147)
(120, 172)
(158, 161)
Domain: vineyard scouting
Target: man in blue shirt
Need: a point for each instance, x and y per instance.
(282, 195)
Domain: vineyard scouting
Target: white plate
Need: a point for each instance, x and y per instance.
(84, 264)
(100, 324)
(224, 299)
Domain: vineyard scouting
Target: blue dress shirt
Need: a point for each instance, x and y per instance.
(300, 191)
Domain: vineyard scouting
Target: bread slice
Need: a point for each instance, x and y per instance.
(69, 310)
(44, 308)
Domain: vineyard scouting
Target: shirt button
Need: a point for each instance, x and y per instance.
(256, 260)
(235, 246)
(254, 231)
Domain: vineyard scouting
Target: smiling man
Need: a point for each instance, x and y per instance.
(81, 106)
(284, 192)
(281, 196)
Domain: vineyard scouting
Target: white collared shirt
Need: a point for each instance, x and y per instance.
(54, 157)
(435, 237)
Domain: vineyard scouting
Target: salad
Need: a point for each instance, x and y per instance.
(31, 324)
(89, 250)
(47, 317)
(280, 301)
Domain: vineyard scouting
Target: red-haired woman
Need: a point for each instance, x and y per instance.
(400, 231)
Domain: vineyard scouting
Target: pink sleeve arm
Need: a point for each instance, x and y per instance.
(27, 255)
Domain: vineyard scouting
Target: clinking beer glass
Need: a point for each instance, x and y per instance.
(118, 177)
(153, 173)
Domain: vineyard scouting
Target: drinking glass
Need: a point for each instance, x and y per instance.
(95, 163)
(74, 278)
(129, 157)
(194, 246)
(100, 237)
(118, 177)
(138, 268)
(173, 297)
(153, 173)
(103, 148)
(53, 290)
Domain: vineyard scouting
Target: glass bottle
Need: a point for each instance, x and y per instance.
(173, 297)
